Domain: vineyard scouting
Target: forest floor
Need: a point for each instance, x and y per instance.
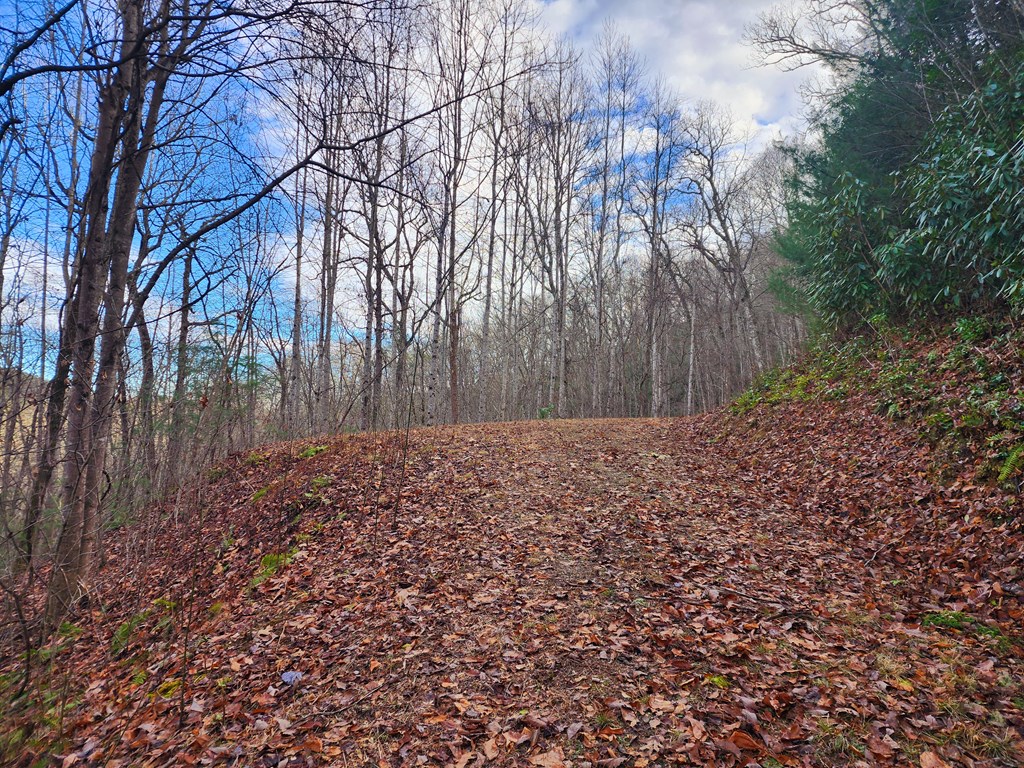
(787, 587)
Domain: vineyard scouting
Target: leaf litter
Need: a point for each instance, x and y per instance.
(564, 593)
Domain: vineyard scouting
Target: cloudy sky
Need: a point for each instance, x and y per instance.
(697, 46)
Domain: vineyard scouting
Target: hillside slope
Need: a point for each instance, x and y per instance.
(795, 584)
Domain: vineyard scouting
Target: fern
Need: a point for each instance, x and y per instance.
(1013, 464)
(123, 634)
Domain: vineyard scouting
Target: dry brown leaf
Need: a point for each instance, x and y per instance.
(932, 760)
(551, 759)
(490, 748)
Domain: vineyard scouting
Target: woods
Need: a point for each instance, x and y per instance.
(239, 223)
(453, 382)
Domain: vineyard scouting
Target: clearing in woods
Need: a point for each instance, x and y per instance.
(574, 593)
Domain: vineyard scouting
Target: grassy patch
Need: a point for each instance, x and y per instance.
(69, 630)
(831, 740)
(312, 450)
(779, 385)
(992, 743)
(960, 621)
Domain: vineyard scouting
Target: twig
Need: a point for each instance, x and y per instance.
(885, 546)
(339, 710)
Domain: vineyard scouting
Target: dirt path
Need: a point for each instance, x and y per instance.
(604, 593)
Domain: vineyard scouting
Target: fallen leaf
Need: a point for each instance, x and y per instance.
(745, 741)
(551, 759)
(932, 760)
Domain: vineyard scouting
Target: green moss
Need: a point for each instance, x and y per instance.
(960, 621)
(260, 493)
(312, 450)
(169, 687)
(165, 604)
(947, 619)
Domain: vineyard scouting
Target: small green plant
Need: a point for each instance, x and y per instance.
(603, 720)
(123, 634)
(69, 630)
(216, 473)
(312, 450)
(165, 604)
(832, 741)
(1013, 464)
(746, 402)
(545, 412)
(972, 329)
(271, 564)
(321, 482)
(260, 493)
(939, 424)
(256, 458)
(719, 681)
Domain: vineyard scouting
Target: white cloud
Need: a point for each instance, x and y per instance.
(697, 47)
